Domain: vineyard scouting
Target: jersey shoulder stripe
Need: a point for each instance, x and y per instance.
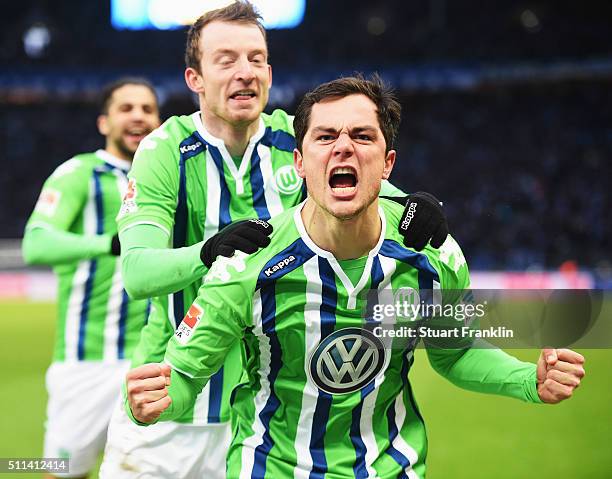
(279, 120)
(289, 259)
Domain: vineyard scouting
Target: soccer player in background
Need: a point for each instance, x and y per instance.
(322, 396)
(191, 178)
(73, 229)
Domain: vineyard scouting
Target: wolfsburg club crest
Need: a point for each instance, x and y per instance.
(286, 180)
(346, 361)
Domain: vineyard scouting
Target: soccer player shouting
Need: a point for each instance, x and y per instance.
(191, 178)
(321, 397)
(73, 229)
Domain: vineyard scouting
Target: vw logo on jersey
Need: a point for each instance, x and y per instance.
(346, 361)
(287, 180)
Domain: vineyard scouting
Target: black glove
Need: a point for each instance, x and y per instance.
(115, 246)
(247, 236)
(423, 220)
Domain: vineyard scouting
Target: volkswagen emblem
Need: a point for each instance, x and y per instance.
(346, 361)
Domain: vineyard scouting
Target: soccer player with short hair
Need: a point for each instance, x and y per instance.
(322, 396)
(73, 229)
(191, 178)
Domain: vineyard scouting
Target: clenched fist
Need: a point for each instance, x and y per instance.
(559, 373)
(147, 391)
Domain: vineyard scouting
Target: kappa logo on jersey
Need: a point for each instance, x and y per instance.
(280, 265)
(48, 201)
(129, 199)
(187, 327)
(346, 361)
(189, 148)
(287, 180)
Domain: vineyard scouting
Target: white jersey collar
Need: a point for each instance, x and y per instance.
(112, 160)
(353, 290)
(237, 173)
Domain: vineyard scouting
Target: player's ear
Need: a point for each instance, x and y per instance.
(298, 163)
(270, 75)
(389, 162)
(194, 80)
(102, 123)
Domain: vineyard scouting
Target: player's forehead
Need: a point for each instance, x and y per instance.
(219, 36)
(352, 111)
(133, 94)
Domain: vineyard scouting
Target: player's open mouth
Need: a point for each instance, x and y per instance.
(243, 95)
(343, 180)
(137, 134)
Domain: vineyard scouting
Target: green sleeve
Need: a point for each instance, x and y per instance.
(54, 247)
(387, 189)
(214, 323)
(184, 391)
(49, 237)
(486, 370)
(153, 187)
(63, 197)
(150, 268)
(479, 366)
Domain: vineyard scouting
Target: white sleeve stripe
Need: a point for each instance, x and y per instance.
(167, 361)
(152, 223)
(42, 225)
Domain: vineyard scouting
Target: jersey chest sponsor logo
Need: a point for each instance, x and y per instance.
(346, 361)
(187, 327)
(280, 265)
(287, 180)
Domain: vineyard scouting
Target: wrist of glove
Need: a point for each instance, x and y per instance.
(423, 220)
(115, 246)
(246, 236)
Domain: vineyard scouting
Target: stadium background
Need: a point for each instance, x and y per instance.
(507, 117)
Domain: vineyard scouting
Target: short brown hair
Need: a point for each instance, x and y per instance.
(110, 88)
(240, 11)
(388, 108)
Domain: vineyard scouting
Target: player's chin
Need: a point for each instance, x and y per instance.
(247, 112)
(344, 210)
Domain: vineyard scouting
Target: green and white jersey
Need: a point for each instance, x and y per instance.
(320, 396)
(96, 319)
(185, 182)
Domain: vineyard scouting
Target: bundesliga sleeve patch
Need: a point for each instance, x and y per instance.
(129, 199)
(190, 321)
(48, 201)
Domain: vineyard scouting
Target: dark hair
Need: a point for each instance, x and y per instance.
(240, 11)
(387, 107)
(109, 89)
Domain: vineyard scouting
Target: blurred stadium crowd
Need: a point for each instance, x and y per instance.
(522, 166)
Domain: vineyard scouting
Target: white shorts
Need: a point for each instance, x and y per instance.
(164, 450)
(82, 396)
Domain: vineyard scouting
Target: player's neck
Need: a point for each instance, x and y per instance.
(235, 137)
(345, 239)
